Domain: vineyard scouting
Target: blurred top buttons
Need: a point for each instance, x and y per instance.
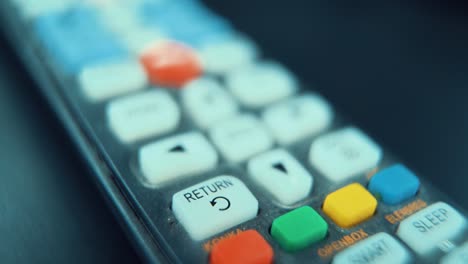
(34, 8)
(221, 57)
(100, 82)
(186, 21)
(77, 38)
(261, 84)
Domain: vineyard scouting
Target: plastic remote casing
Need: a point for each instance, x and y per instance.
(146, 212)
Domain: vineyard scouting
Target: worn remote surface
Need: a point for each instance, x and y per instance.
(210, 152)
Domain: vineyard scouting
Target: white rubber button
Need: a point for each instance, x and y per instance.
(427, 229)
(107, 80)
(281, 175)
(241, 137)
(142, 115)
(298, 118)
(380, 248)
(344, 153)
(207, 102)
(457, 256)
(222, 57)
(175, 158)
(213, 206)
(261, 84)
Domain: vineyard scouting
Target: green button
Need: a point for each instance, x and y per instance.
(299, 228)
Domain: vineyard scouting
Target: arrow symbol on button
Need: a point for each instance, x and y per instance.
(213, 202)
(280, 166)
(178, 148)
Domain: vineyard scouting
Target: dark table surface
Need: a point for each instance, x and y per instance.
(400, 70)
(50, 210)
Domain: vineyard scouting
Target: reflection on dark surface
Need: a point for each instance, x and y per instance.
(400, 70)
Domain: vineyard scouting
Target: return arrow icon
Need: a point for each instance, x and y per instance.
(213, 202)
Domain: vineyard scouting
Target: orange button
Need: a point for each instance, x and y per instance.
(248, 247)
(171, 64)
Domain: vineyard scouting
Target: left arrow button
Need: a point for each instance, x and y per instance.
(175, 158)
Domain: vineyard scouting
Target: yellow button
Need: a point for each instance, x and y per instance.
(350, 205)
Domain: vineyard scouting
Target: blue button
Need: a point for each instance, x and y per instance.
(187, 21)
(394, 184)
(76, 38)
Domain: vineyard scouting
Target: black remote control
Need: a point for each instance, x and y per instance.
(210, 152)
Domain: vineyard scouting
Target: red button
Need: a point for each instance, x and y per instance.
(171, 64)
(248, 247)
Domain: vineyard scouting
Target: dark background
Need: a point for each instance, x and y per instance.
(398, 69)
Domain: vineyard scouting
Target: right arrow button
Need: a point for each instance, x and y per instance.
(269, 169)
